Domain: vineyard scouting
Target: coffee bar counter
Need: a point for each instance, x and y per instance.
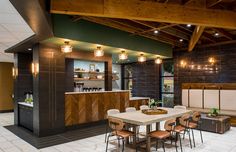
(88, 107)
(25, 115)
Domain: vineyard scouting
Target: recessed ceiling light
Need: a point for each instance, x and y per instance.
(189, 25)
(181, 40)
(29, 49)
(156, 31)
(216, 34)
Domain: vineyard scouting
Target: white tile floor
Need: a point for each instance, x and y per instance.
(11, 143)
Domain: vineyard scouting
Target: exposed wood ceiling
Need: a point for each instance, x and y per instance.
(216, 19)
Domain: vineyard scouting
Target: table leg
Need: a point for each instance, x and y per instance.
(135, 135)
(158, 126)
(148, 146)
(127, 128)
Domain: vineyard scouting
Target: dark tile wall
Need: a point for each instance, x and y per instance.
(146, 79)
(49, 89)
(24, 81)
(224, 71)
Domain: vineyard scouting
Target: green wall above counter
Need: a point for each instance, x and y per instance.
(86, 31)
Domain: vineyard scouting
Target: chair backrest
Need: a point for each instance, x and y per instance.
(130, 109)
(180, 107)
(196, 116)
(112, 111)
(169, 124)
(144, 107)
(116, 124)
(184, 119)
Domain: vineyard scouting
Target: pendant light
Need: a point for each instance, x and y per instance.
(141, 58)
(98, 52)
(123, 55)
(158, 60)
(66, 48)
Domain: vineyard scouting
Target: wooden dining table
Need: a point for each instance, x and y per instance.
(138, 118)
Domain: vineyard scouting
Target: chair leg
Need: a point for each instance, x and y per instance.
(201, 135)
(180, 142)
(163, 145)
(176, 144)
(106, 133)
(118, 141)
(193, 138)
(107, 140)
(184, 133)
(190, 138)
(156, 144)
(123, 144)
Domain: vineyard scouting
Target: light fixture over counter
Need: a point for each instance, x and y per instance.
(98, 52)
(123, 55)
(158, 60)
(142, 58)
(66, 48)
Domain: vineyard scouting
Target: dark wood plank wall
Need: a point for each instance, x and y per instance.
(225, 64)
(146, 79)
(24, 81)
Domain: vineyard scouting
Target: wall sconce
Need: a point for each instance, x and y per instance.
(123, 55)
(14, 72)
(142, 58)
(66, 48)
(183, 63)
(158, 60)
(211, 60)
(99, 51)
(35, 69)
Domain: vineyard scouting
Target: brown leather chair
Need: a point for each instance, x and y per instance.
(162, 135)
(195, 123)
(117, 127)
(182, 128)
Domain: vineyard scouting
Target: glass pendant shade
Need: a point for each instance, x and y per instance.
(158, 61)
(98, 52)
(123, 55)
(141, 58)
(66, 48)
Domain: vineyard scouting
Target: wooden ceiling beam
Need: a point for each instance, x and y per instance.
(195, 37)
(161, 27)
(111, 23)
(212, 3)
(134, 9)
(186, 2)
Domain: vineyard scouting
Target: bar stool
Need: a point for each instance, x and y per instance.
(130, 109)
(110, 112)
(195, 123)
(143, 107)
(117, 125)
(162, 135)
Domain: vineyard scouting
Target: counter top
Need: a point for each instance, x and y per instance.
(96, 92)
(139, 98)
(26, 104)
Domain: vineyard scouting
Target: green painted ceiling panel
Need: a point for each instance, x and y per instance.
(99, 34)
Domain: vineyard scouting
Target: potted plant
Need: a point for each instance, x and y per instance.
(154, 103)
(214, 112)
